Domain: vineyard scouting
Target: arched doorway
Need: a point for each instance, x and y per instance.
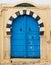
(25, 38)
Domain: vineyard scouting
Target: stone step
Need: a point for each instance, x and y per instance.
(45, 63)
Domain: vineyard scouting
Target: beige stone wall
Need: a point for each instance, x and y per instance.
(5, 39)
(0, 37)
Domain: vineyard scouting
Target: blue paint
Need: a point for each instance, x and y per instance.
(25, 39)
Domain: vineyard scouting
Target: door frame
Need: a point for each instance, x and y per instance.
(9, 26)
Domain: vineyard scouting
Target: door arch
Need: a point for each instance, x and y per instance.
(24, 12)
(33, 16)
(25, 39)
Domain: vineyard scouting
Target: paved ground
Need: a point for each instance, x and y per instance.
(46, 63)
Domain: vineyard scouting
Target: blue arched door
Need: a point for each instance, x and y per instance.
(25, 39)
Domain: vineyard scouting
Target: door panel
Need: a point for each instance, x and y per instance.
(30, 54)
(18, 38)
(19, 54)
(17, 48)
(33, 37)
(25, 39)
